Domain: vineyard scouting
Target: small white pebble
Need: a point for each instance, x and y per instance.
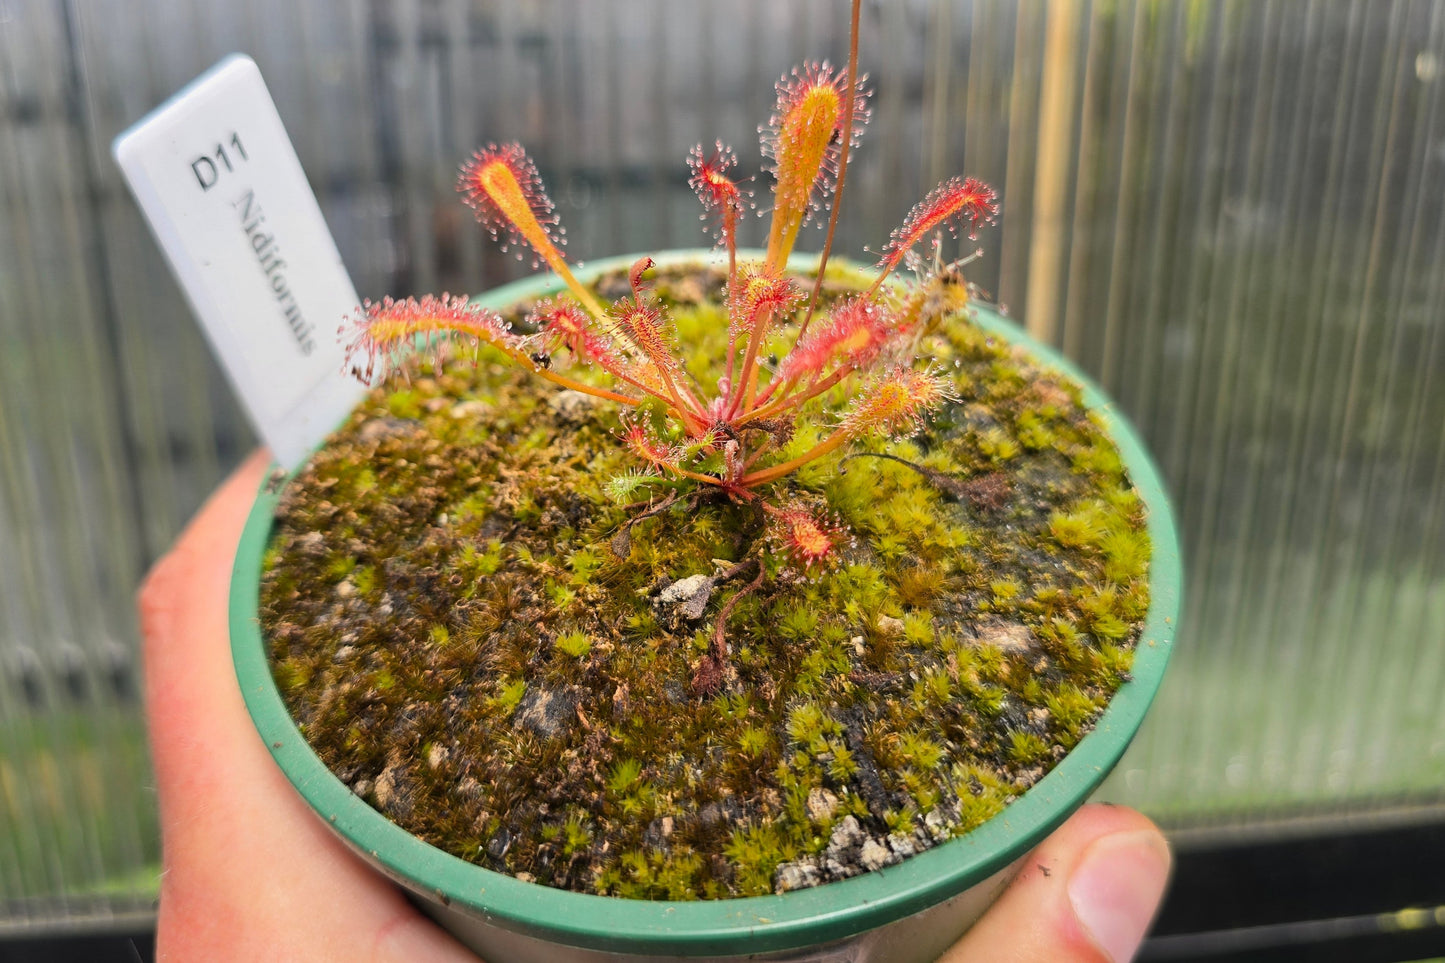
(874, 855)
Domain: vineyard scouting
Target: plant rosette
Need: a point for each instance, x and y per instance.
(902, 909)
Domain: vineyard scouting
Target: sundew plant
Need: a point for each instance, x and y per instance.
(900, 650)
(725, 432)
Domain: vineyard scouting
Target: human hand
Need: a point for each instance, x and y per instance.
(251, 873)
(1086, 895)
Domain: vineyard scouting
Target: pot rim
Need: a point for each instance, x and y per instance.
(821, 914)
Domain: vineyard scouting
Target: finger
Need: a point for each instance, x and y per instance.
(190, 702)
(248, 868)
(1087, 894)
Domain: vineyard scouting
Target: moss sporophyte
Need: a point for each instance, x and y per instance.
(797, 575)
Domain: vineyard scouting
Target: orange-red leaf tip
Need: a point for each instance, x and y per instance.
(949, 204)
(897, 402)
(856, 333)
(805, 538)
(386, 330)
(804, 136)
(645, 446)
(502, 185)
(723, 201)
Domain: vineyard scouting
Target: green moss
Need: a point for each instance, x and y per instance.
(577, 836)
(1026, 748)
(997, 445)
(625, 773)
(754, 742)
(466, 631)
(573, 644)
(755, 853)
(509, 695)
(920, 751)
(292, 675)
(340, 566)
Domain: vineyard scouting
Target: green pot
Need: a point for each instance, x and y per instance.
(908, 912)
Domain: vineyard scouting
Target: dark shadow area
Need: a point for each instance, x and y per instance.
(1353, 894)
(130, 947)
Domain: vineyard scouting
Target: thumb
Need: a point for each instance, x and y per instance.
(1087, 894)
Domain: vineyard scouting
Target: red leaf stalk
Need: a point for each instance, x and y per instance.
(723, 202)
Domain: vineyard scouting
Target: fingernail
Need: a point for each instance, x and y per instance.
(1116, 888)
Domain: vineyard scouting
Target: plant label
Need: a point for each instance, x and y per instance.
(224, 193)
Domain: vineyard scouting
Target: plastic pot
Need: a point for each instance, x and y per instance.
(900, 914)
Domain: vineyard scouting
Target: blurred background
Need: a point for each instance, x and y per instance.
(1230, 212)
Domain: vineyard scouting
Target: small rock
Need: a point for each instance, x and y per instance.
(902, 846)
(714, 813)
(796, 875)
(546, 712)
(1008, 636)
(874, 855)
(859, 648)
(890, 626)
(1029, 776)
(526, 877)
(572, 407)
(378, 428)
(312, 543)
(472, 408)
(846, 835)
(437, 755)
(689, 595)
(345, 589)
(393, 791)
(658, 832)
(822, 804)
(938, 824)
(344, 653)
(499, 844)
(385, 788)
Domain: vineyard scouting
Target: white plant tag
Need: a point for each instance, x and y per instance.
(220, 184)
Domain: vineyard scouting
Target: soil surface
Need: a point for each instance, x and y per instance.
(454, 630)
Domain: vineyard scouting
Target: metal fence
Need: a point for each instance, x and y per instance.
(1230, 211)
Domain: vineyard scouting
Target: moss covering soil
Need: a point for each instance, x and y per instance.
(458, 639)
